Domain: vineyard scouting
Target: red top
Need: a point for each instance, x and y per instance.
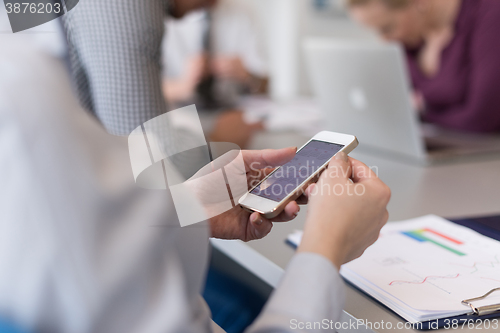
(465, 93)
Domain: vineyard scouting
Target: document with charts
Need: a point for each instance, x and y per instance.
(423, 268)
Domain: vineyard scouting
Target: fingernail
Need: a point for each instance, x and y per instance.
(341, 156)
(256, 219)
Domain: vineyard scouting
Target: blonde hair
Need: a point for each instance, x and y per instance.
(394, 4)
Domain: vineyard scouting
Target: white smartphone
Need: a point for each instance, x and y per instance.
(287, 182)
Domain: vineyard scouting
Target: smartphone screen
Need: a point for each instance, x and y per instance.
(288, 177)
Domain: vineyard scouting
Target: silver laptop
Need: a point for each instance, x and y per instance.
(364, 88)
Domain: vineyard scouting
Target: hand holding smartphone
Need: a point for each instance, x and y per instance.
(287, 182)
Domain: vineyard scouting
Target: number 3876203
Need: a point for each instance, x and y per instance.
(33, 8)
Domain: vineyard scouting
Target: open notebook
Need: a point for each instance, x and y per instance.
(423, 268)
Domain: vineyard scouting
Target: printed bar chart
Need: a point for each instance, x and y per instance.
(419, 235)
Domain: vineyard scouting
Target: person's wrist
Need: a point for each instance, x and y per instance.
(323, 244)
(333, 256)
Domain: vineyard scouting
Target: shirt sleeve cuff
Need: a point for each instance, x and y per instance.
(311, 291)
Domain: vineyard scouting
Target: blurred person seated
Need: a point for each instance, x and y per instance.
(452, 53)
(210, 58)
(83, 249)
(114, 50)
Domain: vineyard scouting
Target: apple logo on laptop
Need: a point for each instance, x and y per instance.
(358, 99)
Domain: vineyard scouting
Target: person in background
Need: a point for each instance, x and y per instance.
(115, 54)
(453, 53)
(211, 58)
(222, 41)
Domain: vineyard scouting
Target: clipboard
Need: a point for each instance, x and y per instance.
(488, 226)
(478, 313)
(443, 322)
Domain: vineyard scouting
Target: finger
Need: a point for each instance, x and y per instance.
(254, 177)
(292, 209)
(385, 218)
(260, 226)
(260, 159)
(267, 171)
(302, 200)
(258, 175)
(304, 195)
(360, 171)
(289, 213)
(339, 167)
(257, 126)
(309, 190)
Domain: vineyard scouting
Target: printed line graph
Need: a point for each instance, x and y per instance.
(424, 280)
(490, 279)
(489, 264)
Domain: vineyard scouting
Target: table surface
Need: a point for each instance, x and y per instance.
(452, 190)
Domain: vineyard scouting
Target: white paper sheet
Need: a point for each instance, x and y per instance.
(423, 268)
